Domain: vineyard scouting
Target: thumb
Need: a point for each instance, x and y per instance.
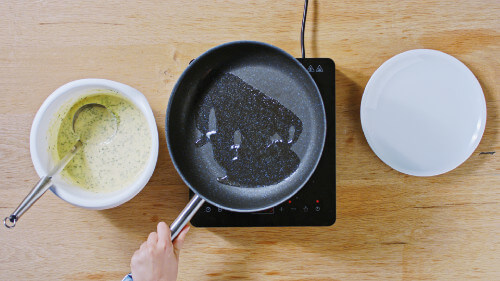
(179, 241)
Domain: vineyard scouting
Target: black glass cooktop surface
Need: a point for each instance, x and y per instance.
(314, 204)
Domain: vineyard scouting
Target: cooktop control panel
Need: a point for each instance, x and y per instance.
(314, 204)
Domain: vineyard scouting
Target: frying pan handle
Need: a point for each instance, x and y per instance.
(186, 215)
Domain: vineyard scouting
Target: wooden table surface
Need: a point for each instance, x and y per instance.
(389, 225)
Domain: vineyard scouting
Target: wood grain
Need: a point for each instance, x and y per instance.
(390, 226)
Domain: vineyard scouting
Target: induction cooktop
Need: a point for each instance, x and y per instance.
(314, 204)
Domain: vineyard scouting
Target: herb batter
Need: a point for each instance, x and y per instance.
(104, 166)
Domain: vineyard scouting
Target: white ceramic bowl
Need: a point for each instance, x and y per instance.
(42, 160)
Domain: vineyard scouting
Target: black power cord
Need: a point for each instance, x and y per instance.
(302, 30)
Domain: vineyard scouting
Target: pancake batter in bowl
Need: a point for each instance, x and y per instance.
(110, 165)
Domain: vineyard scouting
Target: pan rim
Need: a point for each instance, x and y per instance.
(322, 131)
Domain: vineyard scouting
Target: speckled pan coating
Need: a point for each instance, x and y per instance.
(251, 134)
(269, 70)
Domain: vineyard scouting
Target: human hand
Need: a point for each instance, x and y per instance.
(158, 258)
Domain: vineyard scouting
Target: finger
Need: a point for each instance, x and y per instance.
(179, 241)
(134, 257)
(143, 246)
(164, 239)
(152, 239)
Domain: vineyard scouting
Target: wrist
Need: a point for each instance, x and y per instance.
(128, 277)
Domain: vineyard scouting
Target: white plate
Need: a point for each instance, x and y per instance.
(423, 112)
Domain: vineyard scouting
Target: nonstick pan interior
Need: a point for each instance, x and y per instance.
(280, 89)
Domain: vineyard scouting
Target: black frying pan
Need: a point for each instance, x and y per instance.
(245, 128)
